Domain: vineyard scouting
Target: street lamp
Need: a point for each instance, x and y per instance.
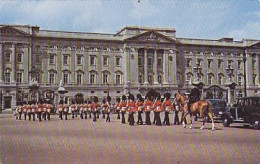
(244, 60)
(1, 100)
(229, 83)
(107, 89)
(33, 84)
(129, 84)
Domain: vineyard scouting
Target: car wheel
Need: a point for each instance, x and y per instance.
(256, 123)
(226, 121)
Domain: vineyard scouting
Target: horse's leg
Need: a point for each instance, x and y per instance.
(183, 119)
(204, 120)
(191, 120)
(211, 117)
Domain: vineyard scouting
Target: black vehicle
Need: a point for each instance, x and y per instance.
(246, 111)
(219, 106)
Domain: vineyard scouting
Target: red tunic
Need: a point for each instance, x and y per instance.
(148, 106)
(117, 107)
(158, 106)
(131, 107)
(95, 106)
(168, 106)
(139, 106)
(123, 106)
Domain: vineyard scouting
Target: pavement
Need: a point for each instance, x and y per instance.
(83, 141)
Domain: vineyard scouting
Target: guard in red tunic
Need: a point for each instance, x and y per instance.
(157, 110)
(89, 108)
(118, 100)
(167, 104)
(73, 108)
(25, 109)
(20, 110)
(131, 109)
(148, 106)
(139, 107)
(123, 108)
(49, 107)
(81, 109)
(44, 110)
(39, 110)
(104, 108)
(29, 109)
(60, 109)
(33, 109)
(85, 108)
(66, 110)
(108, 108)
(95, 107)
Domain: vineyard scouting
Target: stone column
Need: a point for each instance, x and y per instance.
(174, 66)
(145, 67)
(155, 72)
(1, 62)
(256, 69)
(72, 65)
(13, 58)
(165, 68)
(249, 73)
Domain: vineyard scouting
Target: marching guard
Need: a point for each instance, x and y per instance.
(39, 110)
(118, 100)
(89, 108)
(28, 111)
(66, 110)
(49, 106)
(148, 107)
(157, 110)
(95, 107)
(25, 109)
(44, 110)
(73, 109)
(123, 108)
(81, 109)
(85, 106)
(108, 108)
(33, 109)
(131, 109)
(104, 108)
(167, 108)
(139, 107)
(60, 108)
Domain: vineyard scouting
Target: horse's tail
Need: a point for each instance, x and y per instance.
(209, 107)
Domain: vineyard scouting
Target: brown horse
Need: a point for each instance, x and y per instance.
(203, 107)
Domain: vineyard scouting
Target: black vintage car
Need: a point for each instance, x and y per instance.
(219, 106)
(246, 111)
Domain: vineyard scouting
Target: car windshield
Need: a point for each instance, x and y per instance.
(219, 104)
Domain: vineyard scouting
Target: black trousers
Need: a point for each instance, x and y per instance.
(131, 119)
(44, 115)
(60, 112)
(166, 118)
(108, 117)
(81, 114)
(95, 116)
(20, 115)
(90, 114)
(66, 115)
(140, 120)
(98, 114)
(86, 115)
(25, 115)
(48, 116)
(147, 118)
(176, 118)
(39, 116)
(158, 119)
(29, 116)
(123, 117)
(118, 114)
(73, 114)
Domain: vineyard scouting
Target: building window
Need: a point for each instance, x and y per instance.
(199, 61)
(230, 62)
(105, 61)
(239, 62)
(188, 63)
(65, 78)
(239, 79)
(105, 77)
(118, 79)
(160, 79)
(254, 79)
(117, 61)
(37, 59)
(65, 60)
(51, 78)
(188, 79)
(209, 79)
(150, 61)
(8, 57)
(209, 63)
(7, 77)
(79, 59)
(140, 61)
(140, 78)
(220, 79)
(52, 59)
(92, 60)
(150, 79)
(20, 58)
(159, 62)
(19, 77)
(92, 78)
(79, 78)
(219, 64)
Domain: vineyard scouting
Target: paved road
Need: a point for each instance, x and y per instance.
(83, 141)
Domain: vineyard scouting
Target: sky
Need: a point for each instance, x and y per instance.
(205, 19)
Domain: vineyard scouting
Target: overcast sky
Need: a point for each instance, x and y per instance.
(210, 19)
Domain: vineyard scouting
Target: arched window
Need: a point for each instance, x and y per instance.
(66, 76)
(105, 77)
(118, 76)
(210, 79)
(92, 77)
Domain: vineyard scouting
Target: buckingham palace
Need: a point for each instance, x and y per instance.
(133, 60)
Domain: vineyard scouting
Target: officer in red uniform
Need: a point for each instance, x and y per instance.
(73, 108)
(95, 107)
(118, 100)
(49, 107)
(86, 109)
(167, 105)
(108, 108)
(148, 106)
(139, 107)
(33, 109)
(25, 109)
(60, 109)
(89, 108)
(29, 110)
(131, 109)
(123, 108)
(157, 110)
(39, 110)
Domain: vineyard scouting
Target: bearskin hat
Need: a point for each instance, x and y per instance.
(123, 97)
(89, 102)
(131, 97)
(85, 101)
(139, 97)
(167, 96)
(95, 99)
(72, 102)
(104, 101)
(61, 102)
(158, 96)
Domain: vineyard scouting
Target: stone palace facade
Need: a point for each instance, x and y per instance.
(135, 59)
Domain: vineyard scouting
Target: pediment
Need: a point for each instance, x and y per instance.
(9, 30)
(151, 36)
(255, 45)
